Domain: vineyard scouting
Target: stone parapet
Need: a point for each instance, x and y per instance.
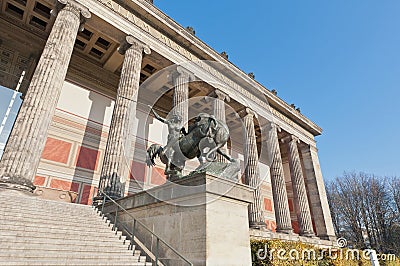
(192, 215)
(257, 234)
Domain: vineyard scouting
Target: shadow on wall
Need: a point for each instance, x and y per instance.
(88, 158)
(137, 177)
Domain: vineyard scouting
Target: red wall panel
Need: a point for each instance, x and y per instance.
(87, 158)
(56, 150)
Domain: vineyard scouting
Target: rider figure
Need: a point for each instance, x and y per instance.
(175, 131)
(174, 123)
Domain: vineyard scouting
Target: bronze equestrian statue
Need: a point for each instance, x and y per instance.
(205, 137)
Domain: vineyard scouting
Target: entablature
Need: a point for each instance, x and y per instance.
(185, 46)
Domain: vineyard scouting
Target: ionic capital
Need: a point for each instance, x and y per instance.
(131, 42)
(184, 72)
(218, 94)
(247, 113)
(290, 138)
(269, 126)
(181, 72)
(74, 7)
(308, 148)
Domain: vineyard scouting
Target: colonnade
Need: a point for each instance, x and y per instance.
(24, 148)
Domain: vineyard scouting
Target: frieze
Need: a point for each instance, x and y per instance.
(178, 48)
(147, 28)
(281, 116)
(170, 43)
(291, 123)
(232, 86)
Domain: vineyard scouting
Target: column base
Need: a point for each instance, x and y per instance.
(114, 188)
(258, 225)
(327, 237)
(98, 200)
(288, 231)
(17, 183)
(307, 234)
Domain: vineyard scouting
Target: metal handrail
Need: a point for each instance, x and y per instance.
(136, 222)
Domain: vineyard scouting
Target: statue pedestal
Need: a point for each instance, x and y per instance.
(203, 217)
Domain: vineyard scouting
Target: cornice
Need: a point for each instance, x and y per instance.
(211, 54)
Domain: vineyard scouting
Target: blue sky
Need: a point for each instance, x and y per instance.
(339, 61)
(5, 98)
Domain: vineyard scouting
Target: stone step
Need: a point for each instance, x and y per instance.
(71, 221)
(49, 214)
(28, 201)
(41, 203)
(47, 209)
(33, 221)
(41, 254)
(5, 240)
(22, 253)
(76, 257)
(80, 237)
(51, 217)
(33, 209)
(65, 224)
(62, 247)
(73, 262)
(48, 251)
(63, 235)
(54, 228)
(35, 231)
(43, 209)
(134, 256)
(37, 200)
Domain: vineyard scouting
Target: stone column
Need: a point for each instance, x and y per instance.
(219, 113)
(317, 194)
(181, 78)
(116, 164)
(28, 137)
(252, 175)
(280, 198)
(299, 187)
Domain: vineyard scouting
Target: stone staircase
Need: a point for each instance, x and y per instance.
(35, 231)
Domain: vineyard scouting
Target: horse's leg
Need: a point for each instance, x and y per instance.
(169, 156)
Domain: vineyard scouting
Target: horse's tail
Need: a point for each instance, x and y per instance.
(152, 152)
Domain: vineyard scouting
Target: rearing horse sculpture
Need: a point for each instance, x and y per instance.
(205, 137)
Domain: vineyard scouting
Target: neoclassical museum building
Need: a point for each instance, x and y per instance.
(92, 68)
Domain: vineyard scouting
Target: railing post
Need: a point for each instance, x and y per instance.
(104, 202)
(133, 233)
(157, 246)
(153, 235)
(115, 220)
